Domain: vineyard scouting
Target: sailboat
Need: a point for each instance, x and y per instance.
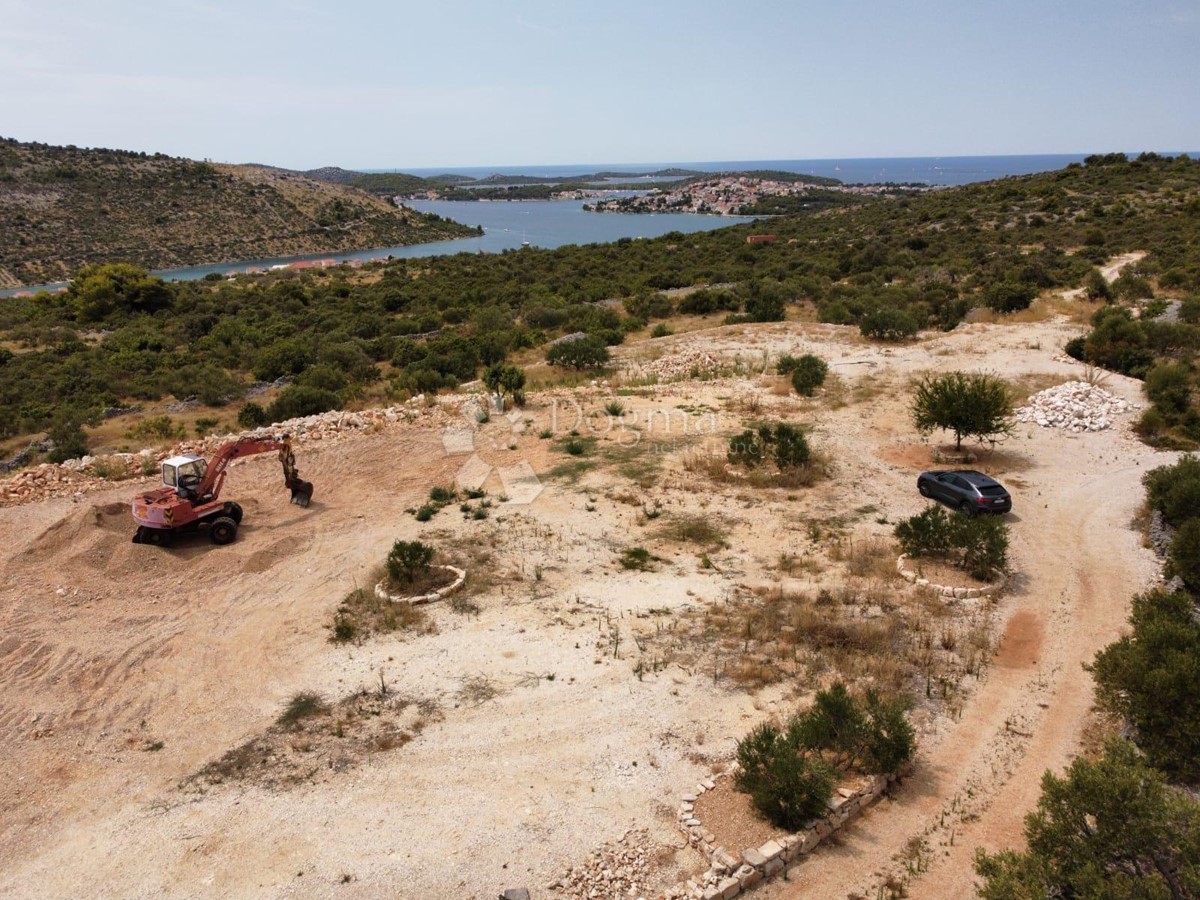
(524, 240)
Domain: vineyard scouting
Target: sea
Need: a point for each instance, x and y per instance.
(514, 225)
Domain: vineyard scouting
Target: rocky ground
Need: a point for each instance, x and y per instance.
(563, 707)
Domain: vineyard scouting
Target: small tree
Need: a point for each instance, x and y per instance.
(501, 379)
(808, 374)
(786, 783)
(971, 404)
(1110, 828)
(1008, 296)
(407, 560)
(581, 353)
(887, 323)
(1151, 678)
(69, 439)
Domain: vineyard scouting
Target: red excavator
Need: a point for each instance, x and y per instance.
(189, 499)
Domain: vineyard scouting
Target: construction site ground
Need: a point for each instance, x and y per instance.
(543, 715)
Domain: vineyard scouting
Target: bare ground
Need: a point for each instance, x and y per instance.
(127, 669)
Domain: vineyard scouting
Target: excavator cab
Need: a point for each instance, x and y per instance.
(184, 474)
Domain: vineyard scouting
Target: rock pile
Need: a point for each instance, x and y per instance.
(617, 869)
(1076, 406)
(76, 477)
(687, 364)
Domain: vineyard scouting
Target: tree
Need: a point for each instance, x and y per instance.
(1151, 678)
(69, 439)
(581, 353)
(971, 404)
(501, 379)
(407, 560)
(1111, 828)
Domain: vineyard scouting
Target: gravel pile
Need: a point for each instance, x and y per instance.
(688, 364)
(76, 477)
(618, 869)
(1076, 406)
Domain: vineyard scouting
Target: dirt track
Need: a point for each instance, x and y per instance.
(109, 647)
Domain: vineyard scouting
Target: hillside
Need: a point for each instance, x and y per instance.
(62, 208)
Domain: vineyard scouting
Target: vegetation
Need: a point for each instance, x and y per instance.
(65, 208)
(501, 379)
(1110, 828)
(423, 325)
(976, 544)
(407, 560)
(808, 374)
(579, 353)
(790, 773)
(969, 404)
(1151, 679)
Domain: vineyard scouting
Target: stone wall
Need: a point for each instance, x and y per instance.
(956, 593)
(731, 872)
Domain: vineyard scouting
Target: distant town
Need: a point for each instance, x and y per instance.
(732, 195)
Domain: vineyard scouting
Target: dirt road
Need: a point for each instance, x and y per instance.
(1079, 563)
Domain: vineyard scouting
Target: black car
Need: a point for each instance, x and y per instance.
(966, 490)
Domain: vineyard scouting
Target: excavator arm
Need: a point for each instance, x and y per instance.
(214, 477)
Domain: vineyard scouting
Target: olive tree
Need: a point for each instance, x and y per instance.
(971, 404)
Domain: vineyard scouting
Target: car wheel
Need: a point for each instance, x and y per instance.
(966, 509)
(923, 488)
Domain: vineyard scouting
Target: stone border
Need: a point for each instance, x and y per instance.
(460, 575)
(730, 873)
(957, 593)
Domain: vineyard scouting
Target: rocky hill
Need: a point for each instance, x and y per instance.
(64, 207)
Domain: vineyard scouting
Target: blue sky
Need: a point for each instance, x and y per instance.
(366, 84)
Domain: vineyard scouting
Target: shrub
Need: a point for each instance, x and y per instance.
(788, 785)
(69, 440)
(977, 544)
(660, 330)
(253, 416)
(1111, 827)
(407, 560)
(887, 323)
(1007, 296)
(781, 442)
(298, 400)
(1175, 490)
(787, 364)
(582, 353)
(1075, 348)
(301, 706)
(809, 374)
(969, 404)
(1151, 679)
(501, 379)
(928, 533)
(1169, 387)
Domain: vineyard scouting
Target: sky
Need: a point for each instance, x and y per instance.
(396, 84)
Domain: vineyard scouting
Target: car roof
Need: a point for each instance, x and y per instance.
(976, 478)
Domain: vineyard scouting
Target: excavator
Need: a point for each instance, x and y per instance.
(189, 499)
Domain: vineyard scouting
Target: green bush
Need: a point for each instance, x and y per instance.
(298, 400)
(69, 439)
(888, 323)
(977, 544)
(1175, 490)
(928, 533)
(1151, 678)
(809, 374)
(787, 784)
(582, 353)
(1110, 828)
(790, 773)
(253, 416)
(781, 442)
(407, 560)
(787, 364)
(1007, 297)
(1169, 387)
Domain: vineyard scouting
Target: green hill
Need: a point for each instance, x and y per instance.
(62, 208)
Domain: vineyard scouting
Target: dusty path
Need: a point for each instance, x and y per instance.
(1079, 565)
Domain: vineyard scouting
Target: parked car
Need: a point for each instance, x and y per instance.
(966, 490)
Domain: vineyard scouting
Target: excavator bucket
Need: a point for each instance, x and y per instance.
(302, 492)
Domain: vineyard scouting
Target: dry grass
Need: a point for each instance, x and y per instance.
(703, 530)
(363, 614)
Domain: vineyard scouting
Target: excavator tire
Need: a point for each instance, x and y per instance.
(223, 530)
(158, 537)
(234, 511)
